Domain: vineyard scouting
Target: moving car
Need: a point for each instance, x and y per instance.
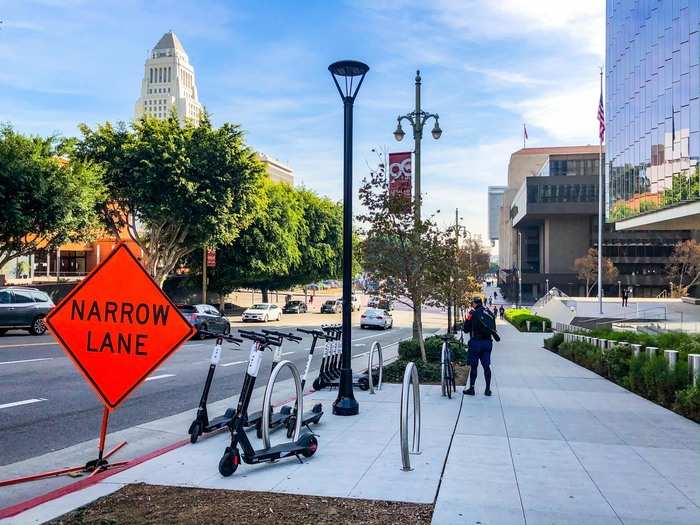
(332, 306)
(373, 302)
(206, 318)
(262, 312)
(376, 318)
(23, 308)
(295, 307)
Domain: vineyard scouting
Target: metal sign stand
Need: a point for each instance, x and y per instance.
(92, 467)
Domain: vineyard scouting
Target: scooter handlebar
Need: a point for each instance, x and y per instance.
(314, 332)
(261, 338)
(283, 335)
(228, 338)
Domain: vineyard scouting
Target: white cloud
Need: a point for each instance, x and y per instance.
(569, 116)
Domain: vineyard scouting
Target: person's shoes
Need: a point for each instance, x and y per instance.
(468, 391)
(487, 392)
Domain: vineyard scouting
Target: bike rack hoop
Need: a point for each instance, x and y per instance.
(412, 385)
(378, 348)
(267, 402)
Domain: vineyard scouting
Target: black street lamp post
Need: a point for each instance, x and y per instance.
(349, 72)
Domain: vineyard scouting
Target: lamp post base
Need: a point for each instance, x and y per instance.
(346, 404)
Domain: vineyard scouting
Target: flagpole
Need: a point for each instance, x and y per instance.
(600, 211)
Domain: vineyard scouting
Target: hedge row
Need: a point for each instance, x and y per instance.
(429, 372)
(650, 377)
(684, 343)
(519, 317)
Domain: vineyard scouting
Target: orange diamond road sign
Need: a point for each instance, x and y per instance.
(118, 326)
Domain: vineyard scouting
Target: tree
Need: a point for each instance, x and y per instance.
(587, 269)
(175, 188)
(295, 239)
(48, 201)
(684, 265)
(399, 253)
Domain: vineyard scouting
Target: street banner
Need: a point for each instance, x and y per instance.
(400, 172)
(211, 258)
(117, 326)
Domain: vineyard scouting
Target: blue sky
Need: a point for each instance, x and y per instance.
(487, 67)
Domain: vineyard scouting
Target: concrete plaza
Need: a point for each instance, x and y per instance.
(555, 444)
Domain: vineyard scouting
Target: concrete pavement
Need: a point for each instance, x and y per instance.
(555, 444)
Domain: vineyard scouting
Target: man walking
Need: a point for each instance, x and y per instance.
(481, 327)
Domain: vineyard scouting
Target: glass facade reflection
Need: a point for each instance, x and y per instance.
(652, 105)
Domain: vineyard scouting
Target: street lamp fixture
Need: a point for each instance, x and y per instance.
(348, 76)
(437, 132)
(399, 134)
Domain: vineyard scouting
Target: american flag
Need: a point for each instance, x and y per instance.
(525, 132)
(601, 118)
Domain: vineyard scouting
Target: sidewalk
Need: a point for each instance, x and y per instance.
(555, 444)
(558, 444)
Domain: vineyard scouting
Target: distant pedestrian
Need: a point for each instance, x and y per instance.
(495, 311)
(625, 297)
(495, 294)
(502, 312)
(481, 327)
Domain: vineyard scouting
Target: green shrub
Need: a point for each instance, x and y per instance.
(409, 350)
(616, 363)
(552, 343)
(519, 317)
(688, 403)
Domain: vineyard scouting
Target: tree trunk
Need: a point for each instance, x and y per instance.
(588, 290)
(265, 295)
(222, 304)
(419, 314)
(449, 317)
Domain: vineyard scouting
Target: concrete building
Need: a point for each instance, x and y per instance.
(169, 82)
(277, 171)
(549, 219)
(652, 105)
(495, 203)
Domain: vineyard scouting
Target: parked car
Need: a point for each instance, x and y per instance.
(23, 308)
(332, 306)
(295, 307)
(205, 318)
(376, 318)
(262, 312)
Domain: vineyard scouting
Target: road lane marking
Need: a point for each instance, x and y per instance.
(29, 344)
(234, 363)
(287, 353)
(26, 361)
(161, 376)
(24, 402)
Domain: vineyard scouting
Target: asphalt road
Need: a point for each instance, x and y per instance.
(46, 405)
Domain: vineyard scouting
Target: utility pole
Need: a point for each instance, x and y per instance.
(204, 275)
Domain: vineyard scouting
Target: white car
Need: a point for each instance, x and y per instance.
(262, 312)
(376, 318)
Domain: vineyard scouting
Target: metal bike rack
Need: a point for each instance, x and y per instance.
(375, 346)
(410, 383)
(267, 402)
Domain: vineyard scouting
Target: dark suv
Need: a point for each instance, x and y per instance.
(24, 308)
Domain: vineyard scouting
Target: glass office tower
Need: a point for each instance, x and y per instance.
(652, 105)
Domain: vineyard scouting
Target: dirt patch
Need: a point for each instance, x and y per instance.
(141, 504)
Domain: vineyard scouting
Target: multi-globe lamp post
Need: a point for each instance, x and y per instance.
(417, 119)
(347, 76)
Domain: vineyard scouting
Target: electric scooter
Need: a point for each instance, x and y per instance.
(202, 424)
(305, 446)
(329, 373)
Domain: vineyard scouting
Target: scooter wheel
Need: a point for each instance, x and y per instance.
(317, 409)
(317, 384)
(229, 462)
(311, 445)
(286, 409)
(195, 432)
(258, 429)
(363, 383)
